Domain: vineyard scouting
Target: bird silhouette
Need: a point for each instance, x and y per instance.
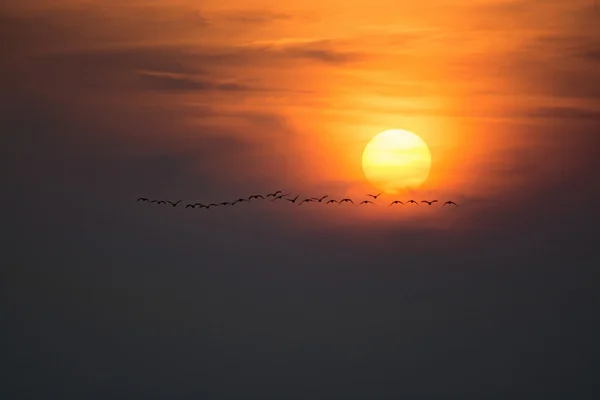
(174, 204)
(306, 201)
(161, 202)
(319, 199)
(281, 196)
(293, 200)
(450, 202)
(429, 202)
(203, 206)
(346, 201)
(396, 202)
(412, 201)
(190, 206)
(154, 201)
(142, 199)
(225, 203)
(212, 205)
(240, 200)
(332, 201)
(366, 202)
(256, 196)
(375, 196)
(274, 194)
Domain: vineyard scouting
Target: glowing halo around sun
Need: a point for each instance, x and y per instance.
(396, 160)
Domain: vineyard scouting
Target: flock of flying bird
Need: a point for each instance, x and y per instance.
(279, 196)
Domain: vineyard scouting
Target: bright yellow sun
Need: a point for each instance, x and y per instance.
(395, 160)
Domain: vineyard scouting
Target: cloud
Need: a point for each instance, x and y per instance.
(169, 81)
(254, 16)
(322, 51)
(315, 52)
(552, 69)
(591, 53)
(576, 113)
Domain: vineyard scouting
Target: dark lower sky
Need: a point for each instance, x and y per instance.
(106, 298)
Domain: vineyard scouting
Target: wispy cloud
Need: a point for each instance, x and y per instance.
(253, 16)
(169, 81)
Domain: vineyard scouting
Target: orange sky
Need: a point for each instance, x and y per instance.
(477, 80)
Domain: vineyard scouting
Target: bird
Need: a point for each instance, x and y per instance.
(154, 201)
(203, 206)
(274, 194)
(429, 202)
(212, 205)
(142, 199)
(396, 202)
(412, 201)
(281, 196)
(161, 202)
(375, 196)
(293, 200)
(199, 205)
(332, 201)
(241, 201)
(225, 203)
(190, 206)
(174, 204)
(256, 196)
(450, 202)
(306, 201)
(319, 199)
(366, 202)
(346, 201)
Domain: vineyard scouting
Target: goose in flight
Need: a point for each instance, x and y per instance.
(412, 201)
(306, 201)
(240, 200)
(396, 202)
(366, 202)
(319, 199)
(332, 201)
(154, 201)
(190, 206)
(346, 201)
(225, 203)
(375, 196)
(293, 200)
(143, 199)
(450, 202)
(429, 202)
(274, 194)
(174, 204)
(255, 196)
(281, 196)
(212, 205)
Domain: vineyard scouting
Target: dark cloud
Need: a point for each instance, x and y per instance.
(561, 112)
(592, 55)
(91, 27)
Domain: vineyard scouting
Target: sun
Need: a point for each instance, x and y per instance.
(395, 160)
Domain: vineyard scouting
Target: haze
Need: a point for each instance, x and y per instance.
(102, 102)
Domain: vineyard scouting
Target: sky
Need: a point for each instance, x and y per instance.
(102, 102)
